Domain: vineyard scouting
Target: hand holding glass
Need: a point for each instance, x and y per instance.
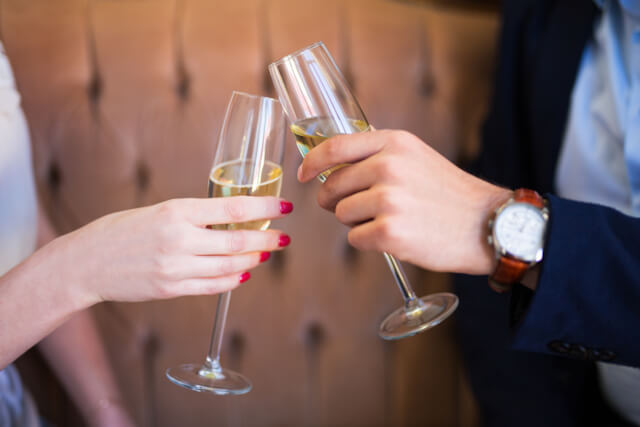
(317, 100)
(247, 163)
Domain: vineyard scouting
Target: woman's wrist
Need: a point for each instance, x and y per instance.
(72, 273)
(39, 296)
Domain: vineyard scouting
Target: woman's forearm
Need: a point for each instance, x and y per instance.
(161, 251)
(34, 300)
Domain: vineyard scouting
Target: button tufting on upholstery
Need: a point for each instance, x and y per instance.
(54, 178)
(184, 83)
(142, 176)
(315, 336)
(237, 344)
(277, 261)
(94, 89)
(427, 83)
(350, 254)
(150, 344)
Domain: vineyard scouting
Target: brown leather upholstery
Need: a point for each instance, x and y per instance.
(125, 99)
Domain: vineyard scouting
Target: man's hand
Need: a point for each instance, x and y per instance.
(402, 197)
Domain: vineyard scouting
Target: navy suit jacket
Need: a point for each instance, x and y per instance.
(587, 304)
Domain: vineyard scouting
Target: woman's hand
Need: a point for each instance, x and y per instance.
(160, 251)
(402, 197)
(165, 250)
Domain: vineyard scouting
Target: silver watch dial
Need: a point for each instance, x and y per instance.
(519, 230)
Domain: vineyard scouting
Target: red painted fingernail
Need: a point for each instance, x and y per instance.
(245, 276)
(284, 240)
(264, 256)
(286, 207)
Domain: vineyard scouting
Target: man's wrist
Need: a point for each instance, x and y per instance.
(516, 233)
(493, 198)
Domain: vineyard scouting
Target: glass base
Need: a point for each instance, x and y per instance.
(425, 313)
(198, 377)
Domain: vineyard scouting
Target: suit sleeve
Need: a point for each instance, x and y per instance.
(587, 302)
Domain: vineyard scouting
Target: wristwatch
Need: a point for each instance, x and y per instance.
(516, 232)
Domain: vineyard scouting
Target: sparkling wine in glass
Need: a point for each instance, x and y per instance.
(247, 163)
(319, 104)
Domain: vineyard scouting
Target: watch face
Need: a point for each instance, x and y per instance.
(519, 229)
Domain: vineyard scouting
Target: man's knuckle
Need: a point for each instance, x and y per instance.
(342, 210)
(401, 137)
(385, 167)
(354, 239)
(334, 149)
(387, 231)
(386, 200)
(325, 197)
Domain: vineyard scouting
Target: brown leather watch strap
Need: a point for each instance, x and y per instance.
(528, 196)
(507, 272)
(510, 270)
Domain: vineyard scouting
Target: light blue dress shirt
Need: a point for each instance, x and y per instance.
(600, 156)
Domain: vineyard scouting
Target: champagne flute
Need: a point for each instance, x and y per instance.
(316, 98)
(248, 163)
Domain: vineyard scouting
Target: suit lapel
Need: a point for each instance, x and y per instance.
(557, 57)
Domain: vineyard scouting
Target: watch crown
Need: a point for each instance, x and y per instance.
(490, 240)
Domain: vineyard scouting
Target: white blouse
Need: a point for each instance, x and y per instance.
(18, 225)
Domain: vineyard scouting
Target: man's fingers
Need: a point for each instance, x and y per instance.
(338, 150)
(227, 210)
(377, 235)
(357, 208)
(202, 241)
(352, 179)
(342, 183)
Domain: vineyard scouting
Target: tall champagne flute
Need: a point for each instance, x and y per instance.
(248, 163)
(317, 100)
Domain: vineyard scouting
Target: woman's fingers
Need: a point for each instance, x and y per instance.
(203, 241)
(225, 210)
(186, 267)
(208, 286)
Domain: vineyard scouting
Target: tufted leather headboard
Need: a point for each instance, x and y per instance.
(125, 99)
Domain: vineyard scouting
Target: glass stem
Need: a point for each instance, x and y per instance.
(410, 299)
(213, 357)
